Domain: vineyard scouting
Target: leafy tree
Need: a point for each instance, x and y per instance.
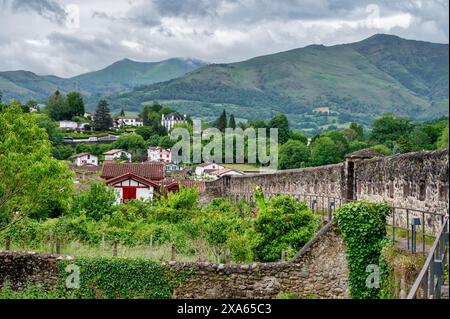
(324, 151)
(420, 140)
(130, 142)
(96, 201)
(443, 139)
(153, 140)
(166, 142)
(26, 165)
(62, 152)
(102, 118)
(221, 122)
(76, 104)
(382, 149)
(404, 144)
(232, 122)
(51, 127)
(144, 131)
(258, 124)
(297, 136)
(293, 154)
(356, 146)
(388, 128)
(280, 122)
(57, 107)
(358, 129)
(340, 141)
(122, 112)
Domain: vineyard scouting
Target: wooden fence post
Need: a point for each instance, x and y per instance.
(115, 249)
(51, 241)
(173, 256)
(58, 246)
(102, 245)
(228, 256)
(283, 255)
(7, 243)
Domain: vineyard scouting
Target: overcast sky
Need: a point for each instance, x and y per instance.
(69, 37)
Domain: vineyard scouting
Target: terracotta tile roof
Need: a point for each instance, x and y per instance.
(147, 170)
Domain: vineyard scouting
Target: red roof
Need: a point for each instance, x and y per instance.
(132, 176)
(148, 170)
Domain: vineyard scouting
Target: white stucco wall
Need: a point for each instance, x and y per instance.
(145, 193)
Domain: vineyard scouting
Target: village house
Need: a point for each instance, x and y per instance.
(117, 154)
(204, 168)
(158, 154)
(169, 120)
(72, 125)
(83, 159)
(215, 174)
(122, 121)
(134, 180)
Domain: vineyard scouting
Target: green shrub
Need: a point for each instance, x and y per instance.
(98, 200)
(284, 225)
(363, 227)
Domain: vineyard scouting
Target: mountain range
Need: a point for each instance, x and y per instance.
(355, 81)
(121, 75)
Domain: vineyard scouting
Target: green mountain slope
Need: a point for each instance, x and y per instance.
(357, 81)
(120, 75)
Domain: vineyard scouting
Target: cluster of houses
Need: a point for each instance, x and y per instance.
(142, 180)
(167, 120)
(157, 175)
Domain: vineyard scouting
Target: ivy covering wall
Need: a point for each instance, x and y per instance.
(363, 227)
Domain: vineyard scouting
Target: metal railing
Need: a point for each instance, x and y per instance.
(417, 224)
(431, 278)
(408, 226)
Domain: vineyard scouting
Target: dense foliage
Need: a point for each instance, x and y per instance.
(284, 224)
(363, 227)
(31, 181)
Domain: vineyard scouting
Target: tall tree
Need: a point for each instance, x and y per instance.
(388, 128)
(280, 122)
(102, 118)
(76, 104)
(232, 122)
(26, 165)
(221, 122)
(122, 112)
(293, 154)
(57, 107)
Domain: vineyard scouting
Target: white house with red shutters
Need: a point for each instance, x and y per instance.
(130, 186)
(158, 154)
(134, 180)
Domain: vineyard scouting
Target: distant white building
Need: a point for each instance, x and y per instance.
(169, 120)
(117, 154)
(72, 125)
(84, 159)
(157, 153)
(205, 168)
(128, 121)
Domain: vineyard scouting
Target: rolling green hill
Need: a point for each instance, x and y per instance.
(358, 81)
(120, 75)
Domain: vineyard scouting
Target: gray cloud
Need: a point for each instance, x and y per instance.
(35, 37)
(48, 9)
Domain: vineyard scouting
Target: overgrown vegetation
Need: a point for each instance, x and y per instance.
(363, 227)
(206, 232)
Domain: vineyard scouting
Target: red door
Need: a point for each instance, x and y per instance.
(129, 193)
